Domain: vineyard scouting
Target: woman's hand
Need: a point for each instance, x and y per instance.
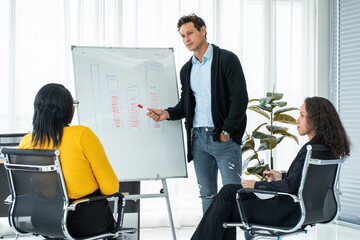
(248, 183)
(273, 175)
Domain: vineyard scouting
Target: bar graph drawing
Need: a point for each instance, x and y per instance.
(96, 96)
(110, 83)
(152, 70)
(133, 98)
(114, 97)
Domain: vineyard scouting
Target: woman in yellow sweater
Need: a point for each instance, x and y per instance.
(87, 171)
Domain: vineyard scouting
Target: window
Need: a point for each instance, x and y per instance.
(270, 37)
(345, 94)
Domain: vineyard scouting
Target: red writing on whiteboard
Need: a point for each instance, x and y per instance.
(115, 110)
(154, 103)
(134, 115)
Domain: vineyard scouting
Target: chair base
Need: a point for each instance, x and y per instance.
(119, 235)
(264, 234)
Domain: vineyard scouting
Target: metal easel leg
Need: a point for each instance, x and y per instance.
(169, 208)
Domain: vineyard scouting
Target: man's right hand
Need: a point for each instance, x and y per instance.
(158, 115)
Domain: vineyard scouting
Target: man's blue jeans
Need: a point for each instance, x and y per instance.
(210, 156)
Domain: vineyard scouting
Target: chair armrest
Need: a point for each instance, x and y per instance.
(116, 197)
(111, 197)
(275, 193)
(251, 190)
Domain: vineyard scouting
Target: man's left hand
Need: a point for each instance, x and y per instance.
(224, 138)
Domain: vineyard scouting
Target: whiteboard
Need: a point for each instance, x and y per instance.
(109, 84)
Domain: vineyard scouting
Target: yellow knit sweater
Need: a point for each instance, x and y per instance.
(83, 160)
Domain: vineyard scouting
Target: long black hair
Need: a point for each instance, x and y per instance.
(327, 124)
(53, 110)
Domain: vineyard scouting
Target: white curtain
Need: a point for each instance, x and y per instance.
(274, 40)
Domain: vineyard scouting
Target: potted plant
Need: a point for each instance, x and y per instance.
(268, 134)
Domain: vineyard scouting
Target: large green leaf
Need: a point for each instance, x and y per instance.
(284, 118)
(265, 108)
(268, 100)
(276, 128)
(248, 145)
(254, 156)
(253, 100)
(278, 104)
(256, 129)
(258, 170)
(285, 133)
(277, 96)
(267, 143)
(279, 139)
(272, 141)
(285, 110)
(265, 101)
(245, 138)
(263, 146)
(280, 131)
(258, 110)
(260, 135)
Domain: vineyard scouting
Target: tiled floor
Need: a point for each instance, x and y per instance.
(320, 232)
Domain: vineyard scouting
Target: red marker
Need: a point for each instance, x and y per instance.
(141, 107)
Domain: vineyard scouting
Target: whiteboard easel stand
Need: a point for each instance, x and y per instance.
(163, 193)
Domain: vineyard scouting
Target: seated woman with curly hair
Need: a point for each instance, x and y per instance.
(318, 120)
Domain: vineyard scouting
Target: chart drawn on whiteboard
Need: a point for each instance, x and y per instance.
(114, 98)
(152, 70)
(133, 98)
(110, 83)
(96, 88)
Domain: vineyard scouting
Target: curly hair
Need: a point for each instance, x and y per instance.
(198, 21)
(324, 118)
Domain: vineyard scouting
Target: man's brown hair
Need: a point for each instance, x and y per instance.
(198, 21)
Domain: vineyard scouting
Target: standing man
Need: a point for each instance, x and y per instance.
(214, 102)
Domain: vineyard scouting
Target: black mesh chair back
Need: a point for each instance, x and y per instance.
(317, 197)
(6, 140)
(38, 199)
(320, 200)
